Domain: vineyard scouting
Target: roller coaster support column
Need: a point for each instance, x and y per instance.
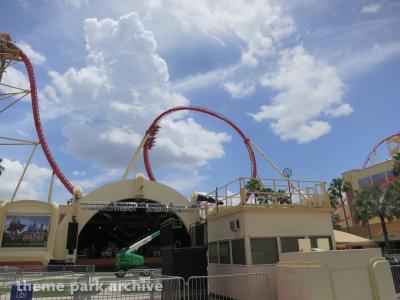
(132, 163)
(24, 171)
(276, 168)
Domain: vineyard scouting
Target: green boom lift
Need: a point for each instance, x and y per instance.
(127, 259)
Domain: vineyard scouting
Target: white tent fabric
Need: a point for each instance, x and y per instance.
(348, 238)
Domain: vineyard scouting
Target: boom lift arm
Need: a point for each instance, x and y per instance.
(143, 242)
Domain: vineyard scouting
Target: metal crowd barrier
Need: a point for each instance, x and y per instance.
(396, 277)
(224, 287)
(139, 284)
(62, 276)
(139, 288)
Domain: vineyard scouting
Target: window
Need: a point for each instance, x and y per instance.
(264, 251)
(213, 252)
(224, 252)
(321, 242)
(290, 244)
(238, 252)
(366, 181)
(379, 178)
(390, 175)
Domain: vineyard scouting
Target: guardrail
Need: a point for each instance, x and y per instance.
(267, 192)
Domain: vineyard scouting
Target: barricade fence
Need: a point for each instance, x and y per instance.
(135, 284)
(51, 282)
(49, 268)
(224, 287)
(168, 288)
(396, 277)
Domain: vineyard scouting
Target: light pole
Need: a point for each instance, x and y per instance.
(287, 173)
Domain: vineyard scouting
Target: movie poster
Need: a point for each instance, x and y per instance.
(26, 231)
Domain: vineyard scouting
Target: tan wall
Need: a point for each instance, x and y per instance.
(29, 208)
(376, 230)
(334, 275)
(273, 222)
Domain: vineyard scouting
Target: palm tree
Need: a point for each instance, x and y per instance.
(282, 197)
(396, 166)
(335, 216)
(335, 191)
(261, 194)
(265, 195)
(374, 201)
(335, 221)
(2, 168)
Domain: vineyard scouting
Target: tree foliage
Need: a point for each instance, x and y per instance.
(335, 191)
(375, 201)
(396, 166)
(265, 195)
(336, 221)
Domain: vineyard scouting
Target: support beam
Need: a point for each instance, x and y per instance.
(132, 163)
(23, 172)
(276, 168)
(50, 196)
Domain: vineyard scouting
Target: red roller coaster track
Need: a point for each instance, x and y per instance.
(38, 125)
(373, 151)
(152, 130)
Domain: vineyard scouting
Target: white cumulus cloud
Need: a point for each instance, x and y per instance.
(34, 56)
(260, 24)
(15, 78)
(34, 186)
(239, 90)
(371, 8)
(113, 99)
(308, 89)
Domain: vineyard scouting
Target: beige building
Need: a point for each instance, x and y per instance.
(381, 173)
(259, 235)
(294, 245)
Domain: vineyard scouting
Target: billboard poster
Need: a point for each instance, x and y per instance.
(26, 231)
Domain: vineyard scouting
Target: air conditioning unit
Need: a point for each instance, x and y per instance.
(234, 225)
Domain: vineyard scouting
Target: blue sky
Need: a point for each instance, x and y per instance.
(314, 83)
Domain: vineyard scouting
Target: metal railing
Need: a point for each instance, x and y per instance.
(137, 284)
(161, 287)
(60, 276)
(396, 277)
(270, 193)
(238, 286)
(49, 268)
(53, 285)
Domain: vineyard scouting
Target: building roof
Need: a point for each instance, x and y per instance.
(348, 238)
